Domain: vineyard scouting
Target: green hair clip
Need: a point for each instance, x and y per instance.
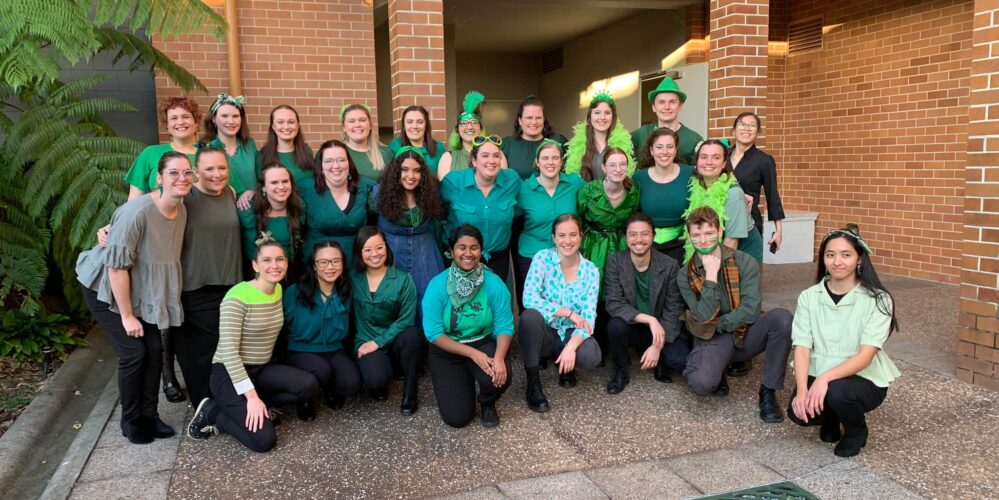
(853, 231)
(343, 110)
(407, 149)
(471, 101)
(603, 95)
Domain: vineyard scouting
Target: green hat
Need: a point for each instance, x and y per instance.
(667, 85)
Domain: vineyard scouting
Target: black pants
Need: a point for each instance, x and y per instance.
(277, 385)
(499, 263)
(771, 333)
(672, 248)
(454, 379)
(139, 360)
(638, 335)
(846, 402)
(406, 350)
(537, 339)
(521, 266)
(335, 370)
(195, 341)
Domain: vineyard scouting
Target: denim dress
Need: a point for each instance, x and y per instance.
(415, 251)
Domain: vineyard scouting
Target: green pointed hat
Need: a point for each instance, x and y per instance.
(667, 85)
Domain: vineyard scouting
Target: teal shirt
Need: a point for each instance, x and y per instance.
(493, 214)
(431, 161)
(320, 329)
(383, 315)
(540, 210)
(665, 203)
(278, 227)
(324, 220)
(244, 166)
(520, 153)
(142, 173)
(492, 313)
(364, 165)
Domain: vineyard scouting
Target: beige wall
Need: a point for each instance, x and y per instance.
(504, 78)
(626, 49)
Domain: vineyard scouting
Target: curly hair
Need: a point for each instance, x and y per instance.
(392, 196)
(183, 102)
(647, 159)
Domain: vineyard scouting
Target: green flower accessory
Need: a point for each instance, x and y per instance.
(407, 149)
(223, 98)
(343, 109)
(471, 101)
(603, 95)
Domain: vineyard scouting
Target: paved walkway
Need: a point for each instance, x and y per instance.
(933, 437)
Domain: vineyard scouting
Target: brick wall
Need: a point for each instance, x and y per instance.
(416, 41)
(978, 357)
(737, 62)
(315, 55)
(873, 128)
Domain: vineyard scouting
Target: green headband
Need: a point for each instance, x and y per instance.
(343, 110)
(853, 231)
(224, 98)
(406, 149)
(603, 96)
(544, 142)
(471, 101)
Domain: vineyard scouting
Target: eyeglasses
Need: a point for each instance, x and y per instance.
(746, 126)
(481, 139)
(642, 234)
(468, 123)
(340, 161)
(174, 174)
(324, 263)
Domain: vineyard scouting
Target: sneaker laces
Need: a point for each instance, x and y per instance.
(209, 429)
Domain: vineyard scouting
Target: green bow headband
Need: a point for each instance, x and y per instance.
(407, 149)
(343, 109)
(852, 231)
(224, 98)
(603, 96)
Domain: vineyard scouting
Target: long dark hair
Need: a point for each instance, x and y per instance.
(591, 144)
(269, 152)
(308, 283)
(726, 168)
(365, 234)
(320, 177)
(392, 196)
(531, 100)
(646, 159)
(865, 273)
(428, 137)
(262, 205)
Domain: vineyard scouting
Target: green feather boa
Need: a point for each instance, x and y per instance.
(619, 138)
(714, 196)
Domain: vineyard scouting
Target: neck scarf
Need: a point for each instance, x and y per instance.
(463, 285)
(730, 277)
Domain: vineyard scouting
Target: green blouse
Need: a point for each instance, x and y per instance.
(297, 172)
(324, 220)
(244, 166)
(364, 165)
(603, 224)
(142, 173)
(381, 316)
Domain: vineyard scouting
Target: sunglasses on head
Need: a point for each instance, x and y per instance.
(481, 139)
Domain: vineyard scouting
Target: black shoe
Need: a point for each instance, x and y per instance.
(618, 383)
(277, 416)
(850, 445)
(722, 389)
(535, 394)
(567, 380)
(306, 411)
(829, 432)
(379, 394)
(488, 416)
(159, 428)
(769, 409)
(200, 427)
(739, 368)
(410, 396)
(137, 430)
(662, 373)
(409, 408)
(334, 401)
(173, 393)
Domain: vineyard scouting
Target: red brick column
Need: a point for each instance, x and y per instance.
(696, 30)
(416, 45)
(737, 62)
(978, 334)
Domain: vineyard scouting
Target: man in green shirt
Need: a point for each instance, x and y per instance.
(667, 101)
(722, 290)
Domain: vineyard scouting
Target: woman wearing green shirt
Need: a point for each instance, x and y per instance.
(277, 210)
(468, 321)
(226, 129)
(417, 133)
(384, 314)
(540, 200)
(530, 129)
(335, 199)
(663, 185)
(840, 326)
(285, 143)
(180, 115)
(361, 138)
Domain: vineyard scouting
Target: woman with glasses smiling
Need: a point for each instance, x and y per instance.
(459, 145)
(755, 170)
(485, 196)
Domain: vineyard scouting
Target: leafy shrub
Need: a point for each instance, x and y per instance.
(24, 337)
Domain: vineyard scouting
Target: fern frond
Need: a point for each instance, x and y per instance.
(143, 53)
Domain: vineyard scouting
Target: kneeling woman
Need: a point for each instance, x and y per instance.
(384, 316)
(245, 380)
(317, 321)
(560, 297)
(469, 323)
(839, 329)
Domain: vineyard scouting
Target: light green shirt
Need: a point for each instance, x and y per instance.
(143, 172)
(835, 332)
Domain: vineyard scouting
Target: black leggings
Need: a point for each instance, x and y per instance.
(538, 340)
(335, 370)
(846, 402)
(406, 350)
(638, 335)
(521, 266)
(499, 263)
(139, 360)
(454, 379)
(195, 341)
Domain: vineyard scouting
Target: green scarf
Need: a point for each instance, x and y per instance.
(713, 196)
(462, 286)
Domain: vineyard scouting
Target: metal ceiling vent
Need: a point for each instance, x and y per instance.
(552, 60)
(805, 35)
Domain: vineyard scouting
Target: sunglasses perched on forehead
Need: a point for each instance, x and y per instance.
(481, 139)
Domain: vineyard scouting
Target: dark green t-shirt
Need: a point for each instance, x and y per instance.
(520, 153)
(642, 291)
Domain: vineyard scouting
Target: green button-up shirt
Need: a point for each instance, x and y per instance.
(540, 210)
(381, 316)
(493, 214)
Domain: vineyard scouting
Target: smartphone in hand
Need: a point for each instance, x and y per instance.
(773, 247)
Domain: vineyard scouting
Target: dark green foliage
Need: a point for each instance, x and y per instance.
(23, 337)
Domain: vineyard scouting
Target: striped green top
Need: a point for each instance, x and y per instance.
(249, 323)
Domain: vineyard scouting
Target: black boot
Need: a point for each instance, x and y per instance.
(618, 382)
(171, 387)
(662, 373)
(739, 368)
(829, 432)
(410, 396)
(333, 400)
(158, 428)
(138, 430)
(306, 411)
(722, 389)
(488, 416)
(535, 396)
(769, 409)
(853, 440)
(567, 380)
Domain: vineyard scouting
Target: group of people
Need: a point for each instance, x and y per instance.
(286, 277)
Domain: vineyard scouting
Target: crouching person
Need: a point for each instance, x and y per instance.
(721, 287)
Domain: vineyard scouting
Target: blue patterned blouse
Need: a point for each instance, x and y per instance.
(546, 290)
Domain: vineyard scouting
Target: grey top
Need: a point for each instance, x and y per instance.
(664, 294)
(148, 244)
(598, 165)
(213, 251)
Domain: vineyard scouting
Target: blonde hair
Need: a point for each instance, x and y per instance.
(374, 150)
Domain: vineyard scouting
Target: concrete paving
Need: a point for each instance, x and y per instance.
(933, 437)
